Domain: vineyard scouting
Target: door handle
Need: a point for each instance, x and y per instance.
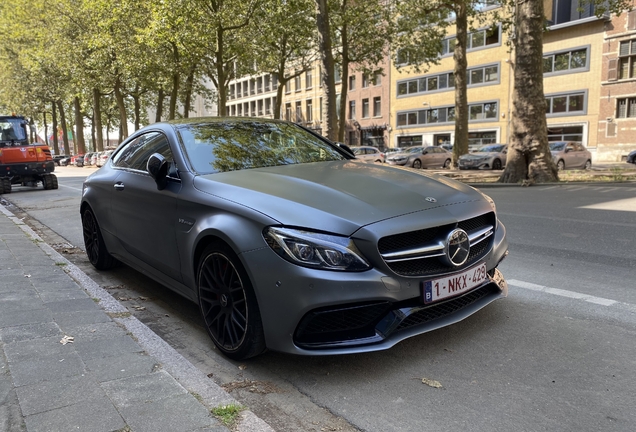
(119, 186)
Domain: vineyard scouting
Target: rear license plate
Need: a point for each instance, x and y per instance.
(458, 283)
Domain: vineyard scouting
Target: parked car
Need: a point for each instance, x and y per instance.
(368, 154)
(78, 160)
(94, 158)
(422, 157)
(88, 158)
(631, 157)
(103, 157)
(65, 161)
(570, 155)
(285, 244)
(58, 158)
(491, 156)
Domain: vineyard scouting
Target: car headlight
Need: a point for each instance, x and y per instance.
(315, 250)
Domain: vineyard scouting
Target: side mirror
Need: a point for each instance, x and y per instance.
(158, 168)
(567, 149)
(424, 152)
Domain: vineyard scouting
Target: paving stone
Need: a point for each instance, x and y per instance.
(76, 305)
(53, 368)
(50, 296)
(35, 349)
(94, 331)
(49, 395)
(29, 331)
(20, 301)
(10, 413)
(126, 365)
(64, 319)
(142, 388)
(181, 413)
(17, 318)
(102, 348)
(96, 415)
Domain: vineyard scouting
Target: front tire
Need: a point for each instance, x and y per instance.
(447, 163)
(96, 250)
(228, 304)
(417, 164)
(5, 186)
(496, 165)
(560, 165)
(588, 165)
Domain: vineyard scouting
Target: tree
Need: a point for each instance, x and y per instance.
(327, 77)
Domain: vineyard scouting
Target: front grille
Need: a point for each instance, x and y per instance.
(430, 263)
(440, 310)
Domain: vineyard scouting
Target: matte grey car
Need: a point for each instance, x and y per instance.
(570, 155)
(286, 243)
(491, 156)
(422, 157)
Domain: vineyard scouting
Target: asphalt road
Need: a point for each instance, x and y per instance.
(557, 355)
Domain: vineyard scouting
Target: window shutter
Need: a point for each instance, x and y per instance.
(611, 73)
(631, 20)
(611, 130)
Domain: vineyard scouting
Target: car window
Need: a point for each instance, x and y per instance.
(557, 146)
(230, 146)
(136, 153)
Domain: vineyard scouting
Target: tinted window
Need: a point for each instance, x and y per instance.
(136, 153)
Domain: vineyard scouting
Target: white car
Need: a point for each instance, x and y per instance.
(368, 154)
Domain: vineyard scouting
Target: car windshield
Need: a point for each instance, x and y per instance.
(356, 150)
(228, 146)
(413, 150)
(490, 149)
(557, 146)
(11, 129)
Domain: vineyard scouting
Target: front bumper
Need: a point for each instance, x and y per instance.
(314, 312)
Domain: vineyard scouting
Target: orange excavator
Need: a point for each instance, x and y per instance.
(23, 161)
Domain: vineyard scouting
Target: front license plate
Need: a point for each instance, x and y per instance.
(458, 283)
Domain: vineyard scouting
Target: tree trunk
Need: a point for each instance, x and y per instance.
(46, 129)
(60, 107)
(344, 85)
(159, 112)
(279, 97)
(79, 126)
(460, 145)
(221, 77)
(93, 137)
(97, 115)
(187, 98)
(174, 95)
(529, 159)
(324, 34)
(123, 117)
(56, 146)
(136, 99)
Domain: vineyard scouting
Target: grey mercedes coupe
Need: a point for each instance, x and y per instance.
(288, 243)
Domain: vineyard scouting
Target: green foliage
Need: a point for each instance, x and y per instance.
(228, 414)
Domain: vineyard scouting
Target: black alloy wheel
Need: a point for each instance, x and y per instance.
(228, 304)
(96, 250)
(496, 164)
(417, 164)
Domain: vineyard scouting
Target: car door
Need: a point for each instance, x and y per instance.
(145, 217)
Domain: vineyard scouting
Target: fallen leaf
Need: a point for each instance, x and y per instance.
(67, 339)
(142, 298)
(431, 383)
(139, 308)
(27, 275)
(242, 367)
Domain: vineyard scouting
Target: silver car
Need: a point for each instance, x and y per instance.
(491, 156)
(285, 243)
(368, 154)
(570, 155)
(422, 157)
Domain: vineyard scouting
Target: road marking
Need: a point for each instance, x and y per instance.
(563, 293)
(628, 204)
(70, 187)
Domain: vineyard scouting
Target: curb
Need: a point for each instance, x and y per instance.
(192, 379)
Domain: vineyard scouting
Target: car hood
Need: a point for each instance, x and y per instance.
(399, 155)
(480, 155)
(339, 196)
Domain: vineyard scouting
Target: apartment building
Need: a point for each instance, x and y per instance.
(253, 96)
(302, 99)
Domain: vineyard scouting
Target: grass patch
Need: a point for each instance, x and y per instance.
(60, 264)
(228, 414)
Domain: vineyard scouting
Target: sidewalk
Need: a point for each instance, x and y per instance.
(73, 358)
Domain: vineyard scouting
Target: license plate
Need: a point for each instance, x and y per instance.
(450, 286)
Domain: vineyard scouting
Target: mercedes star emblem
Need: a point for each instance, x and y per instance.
(457, 247)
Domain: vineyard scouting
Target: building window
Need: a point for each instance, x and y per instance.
(252, 86)
(627, 59)
(365, 108)
(564, 61)
(259, 85)
(377, 106)
(309, 116)
(477, 112)
(260, 107)
(408, 141)
(570, 10)
(365, 80)
(309, 79)
(482, 75)
(299, 112)
(274, 82)
(352, 82)
(475, 40)
(377, 78)
(267, 83)
(337, 74)
(320, 108)
(567, 133)
(298, 83)
(626, 108)
(232, 92)
(288, 111)
(268, 106)
(352, 110)
(353, 138)
(288, 87)
(565, 104)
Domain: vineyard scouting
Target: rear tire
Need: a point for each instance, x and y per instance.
(46, 181)
(447, 163)
(588, 165)
(96, 250)
(5, 187)
(560, 165)
(228, 304)
(54, 184)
